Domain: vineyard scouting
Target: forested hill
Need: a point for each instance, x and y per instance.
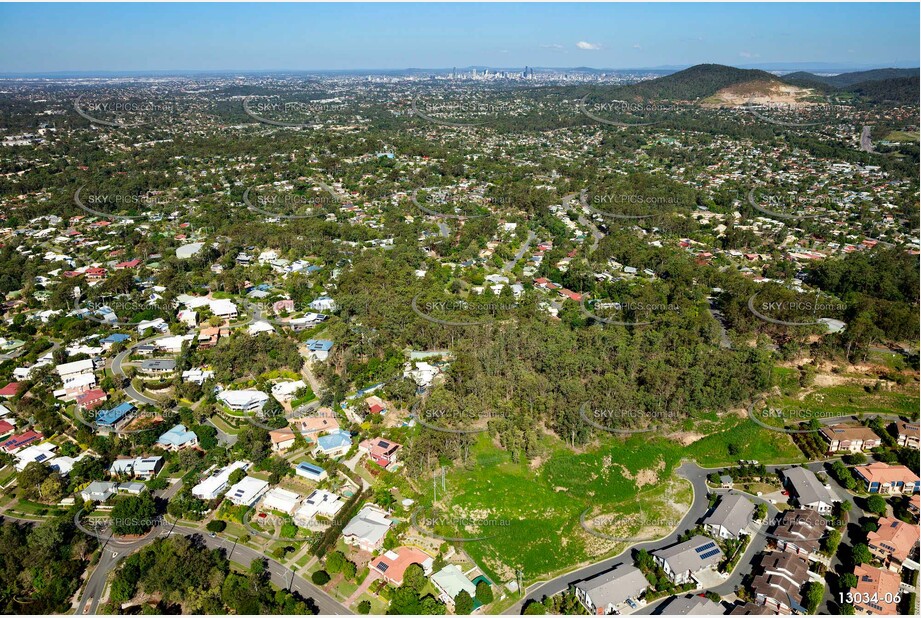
(695, 82)
(849, 79)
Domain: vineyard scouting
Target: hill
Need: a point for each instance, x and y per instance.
(849, 79)
(697, 82)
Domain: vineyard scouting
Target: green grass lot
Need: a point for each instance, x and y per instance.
(535, 522)
(223, 425)
(378, 605)
(849, 399)
(902, 136)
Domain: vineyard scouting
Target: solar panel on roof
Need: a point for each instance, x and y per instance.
(705, 547)
(382, 566)
(709, 554)
(383, 444)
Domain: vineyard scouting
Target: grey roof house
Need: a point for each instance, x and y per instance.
(680, 562)
(808, 490)
(730, 517)
(603, 593)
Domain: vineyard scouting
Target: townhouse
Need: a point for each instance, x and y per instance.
(681, 562)
(731, 517)
(604, 593)
(882, 478)
(849, 438)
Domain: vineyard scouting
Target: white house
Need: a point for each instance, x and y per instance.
(243, 401)
(214, 485)
(247, 491)
(279, 499)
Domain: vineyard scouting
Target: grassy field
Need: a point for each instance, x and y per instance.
(902, 136)
(848, 399)
(534, 525)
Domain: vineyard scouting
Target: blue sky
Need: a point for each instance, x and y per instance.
(148, 37)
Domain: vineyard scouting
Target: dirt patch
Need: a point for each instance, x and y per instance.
(686, 438)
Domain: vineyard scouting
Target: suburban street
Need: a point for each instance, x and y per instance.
(697, 476)
(114, 551)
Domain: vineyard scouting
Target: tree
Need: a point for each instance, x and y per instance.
(335, 562)
(320, 578)
(364, 607)
(52, 488)
(134, 515)
(31, 478)
(414, 577)
(812, 596)
(847, 581)
(534, 609)
(216, 525)
(236, 476)
(877, 505)
(484, 593)
(861, 554)
(463, 603)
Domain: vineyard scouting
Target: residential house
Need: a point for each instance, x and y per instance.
(243, 401)
(367, 529)
(282, 439)
(98, 491)
(382, 452)
(247, 491)
(285, 391)
(604, 593)
(334, 444)
(809, 492)
(882, 478)
(391, 565)
(907, 434)
(17, 442)
(683, 560)
(876, 591)
(849, 438)
(799, 531)
(318, 509)
(91, 399)
(376, 405)
(177, 438)
(144, 468)
(310, 471)
(894, 542)
(693, 605)
(731, 516)
(278, 499)
(319, 348)
(116, 416)
(450, 581)
(157, 367)
(213, 486)
(312, 426)
(780, 582)
(323, 303)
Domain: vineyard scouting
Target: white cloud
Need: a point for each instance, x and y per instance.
(637, 46)
(587, 45)
(746, 54)
(552, 46)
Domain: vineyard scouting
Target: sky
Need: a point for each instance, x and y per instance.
(36, 38)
